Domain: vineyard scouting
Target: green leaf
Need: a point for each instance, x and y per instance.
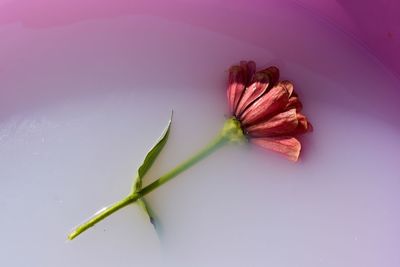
(151, 157)
(145, 166)
(145, 207)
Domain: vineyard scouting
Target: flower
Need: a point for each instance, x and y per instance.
(267, 109)
(264, 109)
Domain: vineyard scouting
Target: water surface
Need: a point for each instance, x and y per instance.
(82, 102)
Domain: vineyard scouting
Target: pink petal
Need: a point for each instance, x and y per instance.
(250, 68)
(261, 82)
(267, 106)
(294, 102)
(251, 93)
(283, 123)
(234, 92)
(268, 75)
(288, 85)
(303, 126)
(239, 75)
(288, 146)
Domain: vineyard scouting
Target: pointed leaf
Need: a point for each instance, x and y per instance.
(151, 157)
(145, 207)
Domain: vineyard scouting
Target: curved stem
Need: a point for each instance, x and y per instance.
(214, 145)
(231, 132)
(102, 214)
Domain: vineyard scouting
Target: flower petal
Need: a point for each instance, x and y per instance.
(288, 146)
(294, 102)
(268, 105)
(235, 90)
(283, 123)
(239, 76)
(288, 85)
(303, 126)
(261, 82)
(251, 93)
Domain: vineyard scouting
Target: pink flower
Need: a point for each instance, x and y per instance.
(267, 109)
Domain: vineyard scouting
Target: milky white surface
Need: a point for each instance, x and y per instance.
(82, 103)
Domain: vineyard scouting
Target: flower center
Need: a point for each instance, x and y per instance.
(232, 131)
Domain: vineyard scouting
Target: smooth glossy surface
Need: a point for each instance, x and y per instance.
(82, 102)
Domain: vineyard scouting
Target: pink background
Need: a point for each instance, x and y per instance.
(375, 24)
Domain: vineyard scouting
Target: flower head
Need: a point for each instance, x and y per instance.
(267, 109)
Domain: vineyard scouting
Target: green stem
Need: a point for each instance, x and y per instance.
(211, 147)
(102, 214)
(230, 133)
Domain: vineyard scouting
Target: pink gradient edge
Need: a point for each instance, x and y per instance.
(375, 26)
